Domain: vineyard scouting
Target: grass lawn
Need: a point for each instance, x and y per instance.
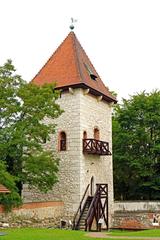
(145, 233)
(56, 234)
(42, 234)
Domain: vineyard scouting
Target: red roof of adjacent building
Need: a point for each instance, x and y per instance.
(69, 66)
(3, 189)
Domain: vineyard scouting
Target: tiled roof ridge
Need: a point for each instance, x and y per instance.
(77, 58)
(91, 64)
(84, 52)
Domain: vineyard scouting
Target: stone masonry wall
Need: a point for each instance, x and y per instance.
(136, 215)
(68, 187)
(69, 181)
(81, 113)
(134, 220)
(133, 206)
(98, 114)
(38, 214)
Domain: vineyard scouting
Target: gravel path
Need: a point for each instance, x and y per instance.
(105, 235)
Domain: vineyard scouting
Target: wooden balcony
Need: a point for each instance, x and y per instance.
(93, 146)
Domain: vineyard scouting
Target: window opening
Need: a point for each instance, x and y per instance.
(96, 134)
(92, 75)
(84, 135)
(62, 141)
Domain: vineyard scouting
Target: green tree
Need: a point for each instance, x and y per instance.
(136, 147)
(12, 199)
(24, 131)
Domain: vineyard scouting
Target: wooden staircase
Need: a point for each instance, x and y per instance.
(92, 209)
(82, 219)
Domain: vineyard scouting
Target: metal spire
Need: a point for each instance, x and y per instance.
(72, 23)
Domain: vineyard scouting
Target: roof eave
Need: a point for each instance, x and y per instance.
(92, 91)
(3, 189)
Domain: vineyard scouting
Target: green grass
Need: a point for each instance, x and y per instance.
(145, 233)
(43, 234)
(56, 234)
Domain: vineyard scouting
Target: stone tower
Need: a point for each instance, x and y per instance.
(84, 134)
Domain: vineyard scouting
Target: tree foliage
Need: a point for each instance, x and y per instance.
(23, 131)
(136, 147)
(12, 199)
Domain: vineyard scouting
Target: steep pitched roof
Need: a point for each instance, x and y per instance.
(69, 66)
(3, 189)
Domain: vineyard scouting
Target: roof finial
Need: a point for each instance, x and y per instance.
(72, 22)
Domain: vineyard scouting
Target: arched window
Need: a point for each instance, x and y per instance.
(96, 134)
(62, 141)
(84, 135)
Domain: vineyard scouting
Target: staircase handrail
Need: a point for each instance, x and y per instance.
(94, 202)
(79, 211)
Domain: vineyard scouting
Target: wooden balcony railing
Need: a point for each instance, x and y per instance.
(93, 146)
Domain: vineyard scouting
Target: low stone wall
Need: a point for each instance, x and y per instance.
(136, 215)
(37, 214)
(137, 206)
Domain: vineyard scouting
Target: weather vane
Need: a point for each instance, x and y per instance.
(72, 23)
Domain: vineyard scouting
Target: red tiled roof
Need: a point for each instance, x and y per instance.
(68, 67)
(3, 189)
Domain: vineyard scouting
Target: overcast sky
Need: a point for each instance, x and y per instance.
(121, 38)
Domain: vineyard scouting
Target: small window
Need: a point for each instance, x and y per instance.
(62, 141)
(96, 134)
(92, 75)
(84, 135)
